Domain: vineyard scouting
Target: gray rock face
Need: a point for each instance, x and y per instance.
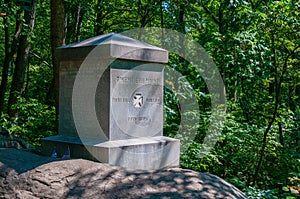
(11, 141)
(27, 175)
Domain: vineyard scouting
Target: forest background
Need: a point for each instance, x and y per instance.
(255, 45)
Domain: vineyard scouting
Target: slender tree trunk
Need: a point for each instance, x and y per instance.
(219, 21)
(8, 55)
(57, 36)
(273, 71)
(181, 40)
(277, 93)
(66, 26)
(26, 90)
(22, 59)
(5, 65)
(243, 102)
(235, 91)
(281, 138)
(99, 19)
(162, 23)
(79, 17)
(182, 30)
(223, 48)
(77, 26)
(274, 114)
(143, 14)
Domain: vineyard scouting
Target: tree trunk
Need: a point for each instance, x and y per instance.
(5, 65)
(275, 112)
(99, 19)
(219, 21)
(57, 36)
(281, 138)
(222, 67)
(22, 59)
(8, 55)
(143, 12)
(182, 30)
(79, 18)
(162, 24)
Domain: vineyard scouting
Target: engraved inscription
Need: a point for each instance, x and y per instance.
(134, 119)
(120, 99)
(153, 100)
(136, 102)
(137, 80)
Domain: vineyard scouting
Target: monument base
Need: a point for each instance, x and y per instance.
(146, 153)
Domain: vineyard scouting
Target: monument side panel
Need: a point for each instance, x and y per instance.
(136, 102)
(102, 97)
(67, 75)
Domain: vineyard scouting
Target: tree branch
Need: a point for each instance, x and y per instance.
(211, 15)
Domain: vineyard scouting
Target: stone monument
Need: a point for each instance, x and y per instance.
(111, 104)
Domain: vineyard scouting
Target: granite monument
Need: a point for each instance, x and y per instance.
(111, 104)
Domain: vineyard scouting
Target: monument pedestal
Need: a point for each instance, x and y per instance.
(145, 153)
(111, 104)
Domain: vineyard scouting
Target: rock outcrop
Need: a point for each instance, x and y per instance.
(27, 175)
(8, 140)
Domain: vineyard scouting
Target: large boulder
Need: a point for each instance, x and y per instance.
(11, 141)
(27, 175)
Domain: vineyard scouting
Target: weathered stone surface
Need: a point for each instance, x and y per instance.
(111, 90)
(116, 46)
(140, 153)
(12, 141)
(27, 175)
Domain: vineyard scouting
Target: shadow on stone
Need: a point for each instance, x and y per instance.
(27, 175)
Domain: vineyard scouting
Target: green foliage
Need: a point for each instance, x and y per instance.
(33, 122)
(255, 193)
(38, 82)
(256, 48)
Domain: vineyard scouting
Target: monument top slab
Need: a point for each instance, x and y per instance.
(113, 45)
